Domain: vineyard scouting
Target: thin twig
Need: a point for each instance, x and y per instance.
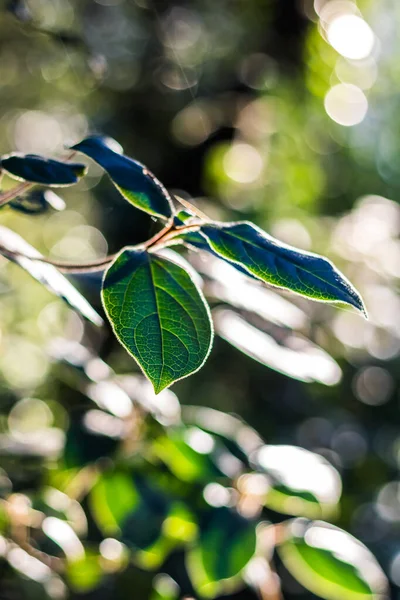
(192, 208)
(100, 264)
(14, 192)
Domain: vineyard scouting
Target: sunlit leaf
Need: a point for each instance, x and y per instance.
(187, 454)
(135, 182)
(300, 482)
(294, 356)
(331, 563)
(54, 503)
(85, 573)
(38, 169)
(129, 507)
(238, 437)
(16, 249)
(280, 265)
(226, 544)
(158, 314)
(164, 588)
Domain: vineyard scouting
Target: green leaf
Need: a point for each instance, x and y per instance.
(85, 573)
(280, 265)
(227, 543)
(87, 437)
(164, 588)
(38, 169)
(300, 482)
(330, 562)
(130, 508)
(158, 314)
(183, 460)
(112, 500)
(135, 182)
(37, 202)
(16, 249)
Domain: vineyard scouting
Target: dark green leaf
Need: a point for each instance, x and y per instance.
(185, 461)
(135, 182)
(227, 542)
(129, 507)
(37, 202)
(280, 265)
(88, 439)
(300, 482)
(16, 249)
(158, 314)
(331, 563)
(38, 169)
(85, 573)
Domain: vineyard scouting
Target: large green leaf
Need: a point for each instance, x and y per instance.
(38, 169)
(227, 543)
(280, 265)
(135, 182)
(331, 563)
(16, 249)
(158, 314)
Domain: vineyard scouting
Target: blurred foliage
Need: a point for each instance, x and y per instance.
(238, 105)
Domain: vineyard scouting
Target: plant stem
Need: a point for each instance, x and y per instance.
(100, 264)
(5, 197)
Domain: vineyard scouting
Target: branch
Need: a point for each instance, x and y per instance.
(154, 243)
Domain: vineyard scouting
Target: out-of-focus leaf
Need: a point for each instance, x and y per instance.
(300, 482)
(226, 544)
(38, 169)
(54, 503)
(130, 508)
(158, 314)
(164, 588)
(295, 357)
(225, 283)
(85, 573)
(280, 265)
(187, 454)
(90, 436)
(331, 563)
(37, 202)
(16, 249)
(238, 437)
(62, 534)
(135, 182)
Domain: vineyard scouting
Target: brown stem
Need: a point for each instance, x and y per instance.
(100, 264)
(175, 232)
(160, 235)
(14, 192)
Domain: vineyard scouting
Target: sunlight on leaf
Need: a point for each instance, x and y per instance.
(12, 244)
(331, 563)
(38, 169)
(295, 357)
(135, 182)
(158, 314)
(226, 544)
(301, 482)
(280, 265)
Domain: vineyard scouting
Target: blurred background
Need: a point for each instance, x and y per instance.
(284, 113)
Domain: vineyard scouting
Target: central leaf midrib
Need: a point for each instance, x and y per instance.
(159, 319)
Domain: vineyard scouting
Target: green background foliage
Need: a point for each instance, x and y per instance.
(225, 103)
